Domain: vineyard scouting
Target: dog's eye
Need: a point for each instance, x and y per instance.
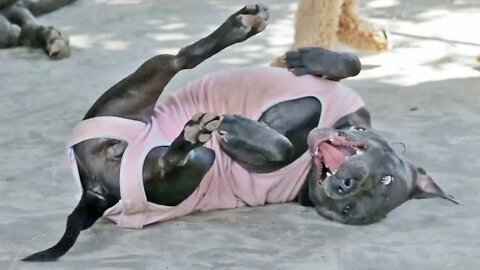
(387, 180)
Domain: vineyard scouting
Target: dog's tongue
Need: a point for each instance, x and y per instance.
(334, 156)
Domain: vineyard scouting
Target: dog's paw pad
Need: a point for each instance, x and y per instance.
(199, 129)
(254, 17)
(205, 137)
(245, 23)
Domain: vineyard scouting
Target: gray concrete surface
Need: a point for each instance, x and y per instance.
(431, 68)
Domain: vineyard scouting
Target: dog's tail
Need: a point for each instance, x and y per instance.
(89, 209)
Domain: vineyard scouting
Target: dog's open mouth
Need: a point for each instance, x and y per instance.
(331, 148)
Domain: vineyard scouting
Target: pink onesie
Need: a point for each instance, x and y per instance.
(248, 92)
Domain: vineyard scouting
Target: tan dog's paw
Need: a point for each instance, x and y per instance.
(58, 44)
(363, 35)
(279, 62)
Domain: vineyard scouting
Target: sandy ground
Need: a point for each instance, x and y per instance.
(425, 92)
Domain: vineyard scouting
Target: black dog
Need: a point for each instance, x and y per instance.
(19, 27)
(354, 175)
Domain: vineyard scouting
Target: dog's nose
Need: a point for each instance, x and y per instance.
(346, 185)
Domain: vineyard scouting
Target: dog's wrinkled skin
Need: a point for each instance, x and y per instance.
(19, 27)
(364, 189)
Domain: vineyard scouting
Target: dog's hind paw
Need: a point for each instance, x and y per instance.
(321, 62)
(199, 129)
(57, 44)
(245, 23)
(253, 18)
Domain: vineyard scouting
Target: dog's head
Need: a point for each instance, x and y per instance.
(359, 177)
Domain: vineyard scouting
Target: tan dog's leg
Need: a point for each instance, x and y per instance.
(316, 25)
(359, 33)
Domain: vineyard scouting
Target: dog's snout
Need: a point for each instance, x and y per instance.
(344, 186)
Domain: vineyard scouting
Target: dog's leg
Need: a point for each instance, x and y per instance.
(9, 33)
(55, 44)
(254, 145)
(135, 96)
(197, 131)
(39, 7)
(324, 63)
(360, 33)
(279, 137)
(172, 174)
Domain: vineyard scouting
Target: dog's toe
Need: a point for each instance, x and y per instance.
(199, 129)
(294, 62)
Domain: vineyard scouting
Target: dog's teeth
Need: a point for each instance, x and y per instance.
(328, 174)
(317, 151)
(359, 152)
(334, 172)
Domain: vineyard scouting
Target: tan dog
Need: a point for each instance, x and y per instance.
(324, 23)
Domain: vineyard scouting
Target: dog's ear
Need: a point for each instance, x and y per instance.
(426, 188)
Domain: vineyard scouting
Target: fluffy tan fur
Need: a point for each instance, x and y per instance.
(324, 23)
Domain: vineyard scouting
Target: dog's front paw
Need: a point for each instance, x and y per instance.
(322, 63)
(196, 132)
(199, 129)
(57, 44)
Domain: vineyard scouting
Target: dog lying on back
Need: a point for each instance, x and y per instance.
(245, 137)
(19, 27)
